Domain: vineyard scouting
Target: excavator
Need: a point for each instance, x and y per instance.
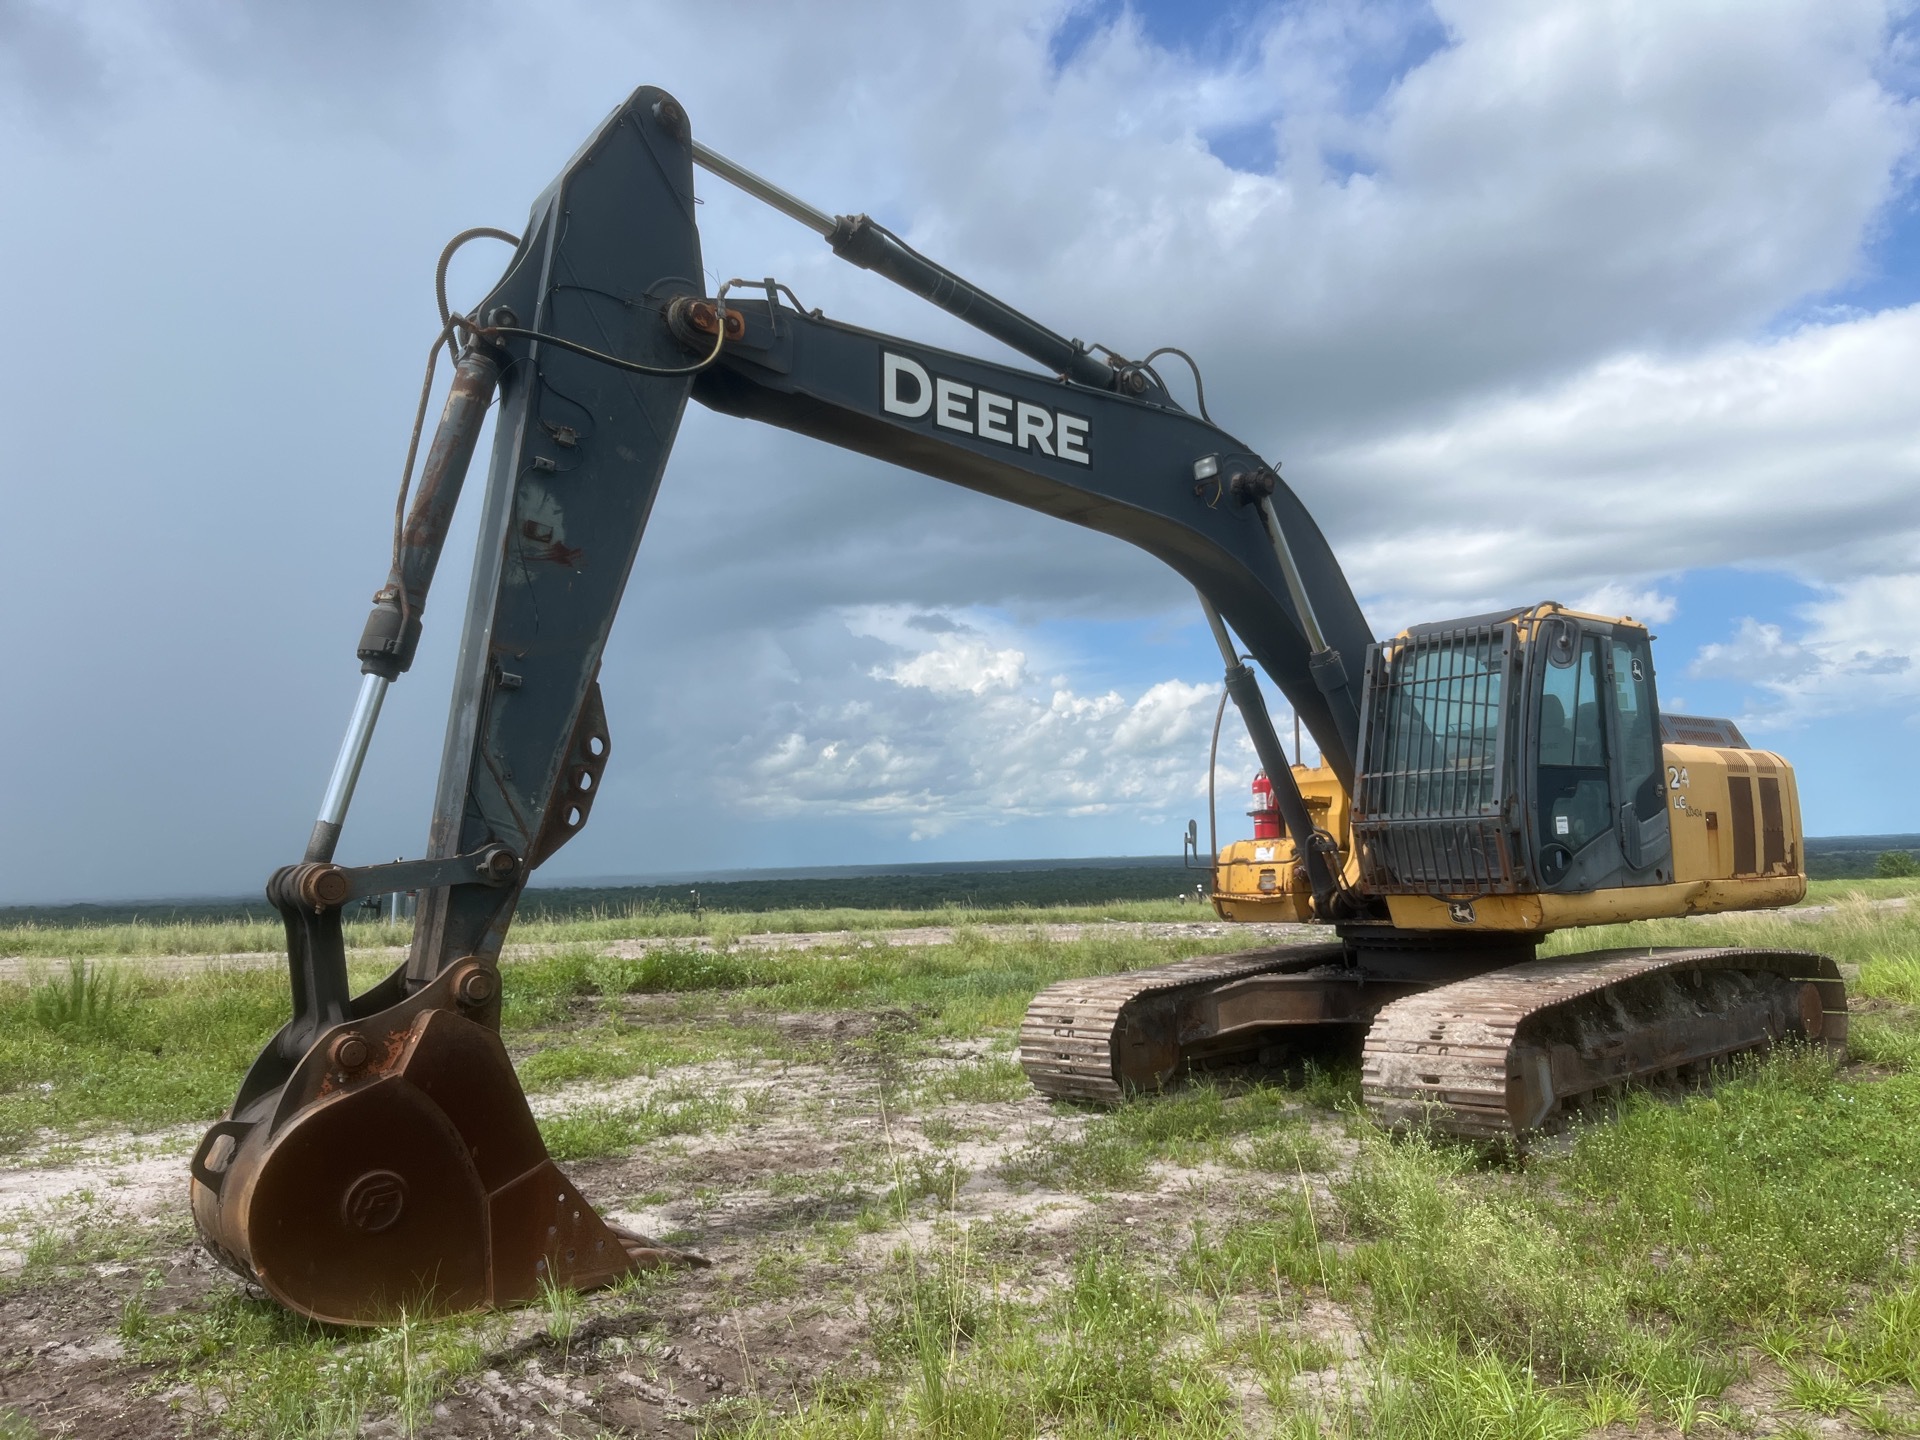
(1481, 782)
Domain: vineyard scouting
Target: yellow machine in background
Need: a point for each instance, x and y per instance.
(1262, 879)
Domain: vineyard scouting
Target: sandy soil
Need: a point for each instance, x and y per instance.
(774, 1316)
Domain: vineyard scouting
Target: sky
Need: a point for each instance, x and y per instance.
(1615, 302)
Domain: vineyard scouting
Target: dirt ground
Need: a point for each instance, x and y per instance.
(781, 1310)
(829, 1178)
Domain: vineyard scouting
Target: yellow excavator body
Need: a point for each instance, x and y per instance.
(1515, 778)
(1737, 845)
(1733, 812)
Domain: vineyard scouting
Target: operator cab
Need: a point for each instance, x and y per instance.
(1512, 754)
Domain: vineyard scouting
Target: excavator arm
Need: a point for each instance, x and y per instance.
(380, 1155)
(597, 335)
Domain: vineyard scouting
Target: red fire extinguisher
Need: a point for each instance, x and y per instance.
(1265, 811)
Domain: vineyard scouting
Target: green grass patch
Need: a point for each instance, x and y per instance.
(1266, 1256)
(1099, 1357)
(45, 940)
(1114, 1149)
(615, 1050)
(1891, 977)
(1828, 892)
(161, 1052)
(990, 1080)
(1773, 1196)
(80, 1051)
(257, 1369)
(1855, 931)
(591, 1132)
(1641, 1255)
(1623, 1277)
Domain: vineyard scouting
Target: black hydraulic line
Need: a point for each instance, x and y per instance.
(478, 232)
(1213, 769)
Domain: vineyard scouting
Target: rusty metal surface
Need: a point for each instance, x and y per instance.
(1095, 1039)
(1504, 1055)
(400, 1168)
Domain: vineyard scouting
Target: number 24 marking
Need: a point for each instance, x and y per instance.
(1676, 776)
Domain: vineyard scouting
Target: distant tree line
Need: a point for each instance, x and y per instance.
(984, 889)
(1862, 857)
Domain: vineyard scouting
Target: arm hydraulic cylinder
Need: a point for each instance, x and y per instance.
(858, 239)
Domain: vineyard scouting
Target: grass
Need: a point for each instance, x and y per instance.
(263, 1371)
(1095, 1358)
(1295, 1272)
(157, 1049)
(146, 1052)
(1623, 1278)
(1115, 1149)
(599, 928)
(590, 1132)
(244, 937)
(1621, 1281)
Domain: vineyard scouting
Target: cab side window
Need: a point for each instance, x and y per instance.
(1639, 741)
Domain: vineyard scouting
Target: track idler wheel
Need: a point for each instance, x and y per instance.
(399, 1170)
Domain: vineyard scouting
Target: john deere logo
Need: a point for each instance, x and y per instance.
(1460, 912)
(374, 1202)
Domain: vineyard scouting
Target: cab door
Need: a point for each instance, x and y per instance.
(1640, 790)
(1598, 806)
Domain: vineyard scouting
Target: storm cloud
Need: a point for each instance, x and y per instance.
(1529, 301)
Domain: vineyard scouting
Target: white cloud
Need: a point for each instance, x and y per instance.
(1505, 316)
(1614, 597)
(1757, 654)
(1168, 714)
(925, 746)
(958, 665)
(1857, 651)
(1801, 452)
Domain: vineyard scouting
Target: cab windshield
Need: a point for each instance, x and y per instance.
(1436, 751)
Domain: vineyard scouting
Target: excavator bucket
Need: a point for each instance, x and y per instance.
(399, 1169)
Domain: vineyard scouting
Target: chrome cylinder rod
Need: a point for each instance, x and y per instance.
(856, 239)
(792, 206)
(1283, 552)
(346, 769)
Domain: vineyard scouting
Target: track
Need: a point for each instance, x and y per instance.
(1520, 1050)
(1090, 1040)
(1500, 1056)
